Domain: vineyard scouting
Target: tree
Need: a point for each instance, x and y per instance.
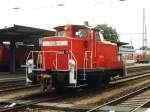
(109, 33)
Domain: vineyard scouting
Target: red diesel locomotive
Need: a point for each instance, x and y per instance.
(76, 56)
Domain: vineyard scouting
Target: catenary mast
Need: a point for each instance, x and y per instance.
(144, 47)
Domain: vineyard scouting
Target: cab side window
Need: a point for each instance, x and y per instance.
(97, 36)
(61, 33)
(81, 33)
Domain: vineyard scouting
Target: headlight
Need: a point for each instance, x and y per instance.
(71, 62)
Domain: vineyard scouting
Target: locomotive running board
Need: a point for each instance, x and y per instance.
(77, 86)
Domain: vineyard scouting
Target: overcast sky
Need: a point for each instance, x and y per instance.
(125, 17)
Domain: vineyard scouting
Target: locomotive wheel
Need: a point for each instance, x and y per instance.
(105, 81)
(94, 82)
(46, 83)
(59, 87)
(59, 82)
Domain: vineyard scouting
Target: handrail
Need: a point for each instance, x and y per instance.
(31, 55)
(28, 56)
(76, 65)
(85, 60)
(41, 53)
(56, 57)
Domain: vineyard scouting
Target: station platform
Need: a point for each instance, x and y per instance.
(137, 65)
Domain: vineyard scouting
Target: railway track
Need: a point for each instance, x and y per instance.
(39, 100)
(28, 103)
(137, 101)
(11, 80)
(130, 78)
(134, 100)
(133, 73)
(10, 86)
(20, 104)
(15, 88)
(20, 85)
(12, 83)
(59, 106)
(133, 69)
(71, 107)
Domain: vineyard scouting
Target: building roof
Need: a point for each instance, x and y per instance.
(118, 43)
(123, 49)
(22, 32)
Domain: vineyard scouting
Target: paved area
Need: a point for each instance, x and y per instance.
(137, 65)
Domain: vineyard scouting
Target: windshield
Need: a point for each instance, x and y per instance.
(101, 36)
(61, 33)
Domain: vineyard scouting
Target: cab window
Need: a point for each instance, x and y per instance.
(81, 33)
(97, 36)
(101, 36)
(61, 33)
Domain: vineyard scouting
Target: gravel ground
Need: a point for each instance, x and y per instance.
(108, 93)
(38, 110)
(99, 96)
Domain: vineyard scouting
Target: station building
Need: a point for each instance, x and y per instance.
(15, 44)
(127, 54)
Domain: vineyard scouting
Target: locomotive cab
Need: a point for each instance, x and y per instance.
(76, 56)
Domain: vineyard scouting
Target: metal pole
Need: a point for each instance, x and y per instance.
(144, 37)
(12, 57)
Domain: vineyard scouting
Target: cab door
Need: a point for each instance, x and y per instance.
(93, 48)
(98, 50)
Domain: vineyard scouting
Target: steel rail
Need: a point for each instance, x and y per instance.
(140, 106)
(9, 80)
(34, 102)
(55, 107)
(18, 88)
(29, 104)
(21, 106)
(120, 98)
(9, 86)
(130, 78)
(12, 80)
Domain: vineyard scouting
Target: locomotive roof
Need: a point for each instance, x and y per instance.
(74, 26)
